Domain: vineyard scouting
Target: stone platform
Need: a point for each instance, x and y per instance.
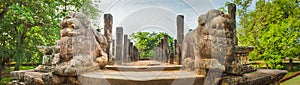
(166, 76)
(106, 77)
(175, 77)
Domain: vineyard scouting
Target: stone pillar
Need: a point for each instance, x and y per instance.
(180, 36)
(119, 43)
(232, 11)
(113, 47)
(180, 29)
(172, 54)
(130, 52)
(155, 54)
(158, 51)
(108, 20)
(125, 49)
(232, 65)
(135, 53)
(165, 49)
(177, 52)
(161, 52)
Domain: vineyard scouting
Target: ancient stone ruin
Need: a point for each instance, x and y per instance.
(81, 47)
(207, 55)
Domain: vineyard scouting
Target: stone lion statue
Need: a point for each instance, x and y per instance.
(210, 45)
(208, 49)
(81, 46)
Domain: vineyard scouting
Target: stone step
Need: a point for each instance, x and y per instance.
(144, 68)
(112, 77)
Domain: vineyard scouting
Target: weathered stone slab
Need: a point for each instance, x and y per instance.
(19, 75)
(33, 78)
(259, 77)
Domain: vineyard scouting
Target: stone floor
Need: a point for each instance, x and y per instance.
(173, 77)
(153, 73)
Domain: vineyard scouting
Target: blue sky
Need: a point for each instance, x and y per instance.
(156, 15)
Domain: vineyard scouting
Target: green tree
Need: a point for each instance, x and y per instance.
(146, 42)
(26, 24)
(273, 28)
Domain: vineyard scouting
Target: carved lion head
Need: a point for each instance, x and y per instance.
(74, 24)
(215, 28)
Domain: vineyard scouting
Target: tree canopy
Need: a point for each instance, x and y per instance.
(147, 41)
(273, 28)
(26, 24)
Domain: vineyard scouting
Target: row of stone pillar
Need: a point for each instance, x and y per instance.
(167, 53)
(125, 50)
(172, 54)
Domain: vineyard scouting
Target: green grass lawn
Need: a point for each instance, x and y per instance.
(23, 68)
(293, 81)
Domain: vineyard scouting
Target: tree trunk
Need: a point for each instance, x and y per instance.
(20, 44)
(290, 64)
(267, 66)
(18, 59)
(4, 64)
(2, 68)
(4, 10)
(17, 67)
